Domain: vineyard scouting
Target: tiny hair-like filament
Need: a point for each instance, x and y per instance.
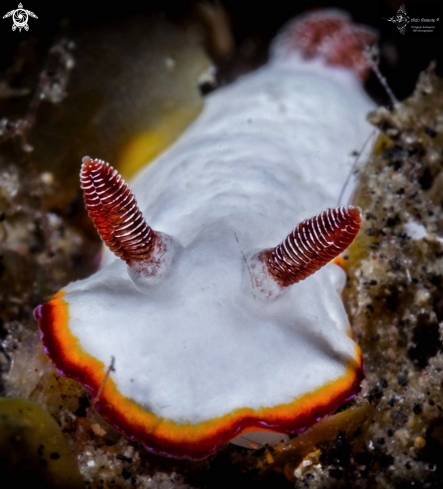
(313, 244)
(114, 211)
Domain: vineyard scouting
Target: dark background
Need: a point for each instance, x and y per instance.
(403, 57)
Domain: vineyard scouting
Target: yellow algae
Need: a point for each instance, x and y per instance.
(159, 134)
(34, 448)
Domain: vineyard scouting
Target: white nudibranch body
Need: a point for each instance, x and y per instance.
(206, 352)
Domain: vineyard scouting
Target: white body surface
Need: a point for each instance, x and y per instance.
(268, 151)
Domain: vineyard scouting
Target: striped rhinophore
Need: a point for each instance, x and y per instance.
(313, 244)
(114, 211)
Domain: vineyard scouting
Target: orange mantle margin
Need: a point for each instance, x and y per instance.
(164, 436)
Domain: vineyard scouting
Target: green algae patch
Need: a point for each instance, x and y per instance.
(33, 450)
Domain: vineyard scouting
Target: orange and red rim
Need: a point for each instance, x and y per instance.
(164, 436)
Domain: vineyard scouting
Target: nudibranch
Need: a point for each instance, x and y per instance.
(213, 313)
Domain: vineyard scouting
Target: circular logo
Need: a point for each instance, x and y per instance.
(20, 18)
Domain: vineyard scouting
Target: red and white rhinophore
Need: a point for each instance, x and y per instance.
(221, 327)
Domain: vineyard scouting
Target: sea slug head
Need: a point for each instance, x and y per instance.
(329, 36)
(209, 341)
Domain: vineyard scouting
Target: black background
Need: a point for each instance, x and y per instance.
(412, 54)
